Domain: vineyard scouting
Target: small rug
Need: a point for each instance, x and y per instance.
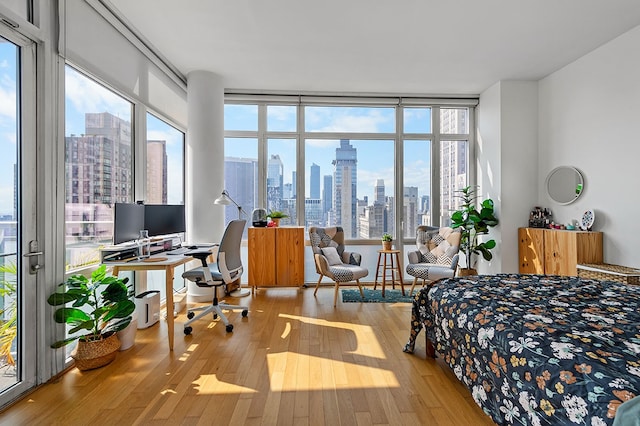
(375, 296)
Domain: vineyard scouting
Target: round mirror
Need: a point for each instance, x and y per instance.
(565, 184)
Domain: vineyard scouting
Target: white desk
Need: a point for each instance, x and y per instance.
(157, 262)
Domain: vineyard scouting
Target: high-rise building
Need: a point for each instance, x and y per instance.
(410, 207)
(240, 177)
(98, 174)
(275, 171)
(379, 192)
(314, 182)
(453, 161)
(294, 179)
(156, 172)
(327, 197)
(345, 186)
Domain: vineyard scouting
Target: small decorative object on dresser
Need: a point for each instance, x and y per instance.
(276, 215)
(586, 223)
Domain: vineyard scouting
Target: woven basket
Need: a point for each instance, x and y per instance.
(97, 353)
(606, 271)
(386, 245)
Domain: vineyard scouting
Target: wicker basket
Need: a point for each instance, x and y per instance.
(606, 271)
(97, 353)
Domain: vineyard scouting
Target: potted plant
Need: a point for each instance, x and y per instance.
(386, 241)
(472, 224)
(276, 215)
(99, 306)
(8, 313)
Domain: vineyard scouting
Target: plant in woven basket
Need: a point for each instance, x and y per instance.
(94, 307)
(473, 223)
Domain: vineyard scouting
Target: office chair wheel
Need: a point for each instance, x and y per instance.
(229, 328)
(188, 330)
(191, 315)
(215, 316)
(245, 313)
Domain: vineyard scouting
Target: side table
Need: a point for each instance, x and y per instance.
(389, 261)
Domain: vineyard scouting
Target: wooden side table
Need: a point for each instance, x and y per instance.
(387, 263)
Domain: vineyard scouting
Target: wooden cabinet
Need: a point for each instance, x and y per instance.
(557, 252)
(276, 257)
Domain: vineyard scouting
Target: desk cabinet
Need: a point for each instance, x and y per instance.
(276, 257)
(557, 252)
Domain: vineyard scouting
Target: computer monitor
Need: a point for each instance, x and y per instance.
(128, 220)
(164, 219)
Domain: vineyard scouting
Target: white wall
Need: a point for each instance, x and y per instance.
(507, 165)
(589, 118)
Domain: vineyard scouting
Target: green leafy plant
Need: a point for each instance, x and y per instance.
(275, 214)
(106, 301)
(9, 313)
(474, 223)
(387, 237)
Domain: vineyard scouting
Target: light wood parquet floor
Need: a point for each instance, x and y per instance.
(295, 360)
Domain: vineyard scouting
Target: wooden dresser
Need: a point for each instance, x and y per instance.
(557, 252)
(276, 257)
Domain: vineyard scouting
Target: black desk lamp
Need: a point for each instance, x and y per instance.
(225, 200)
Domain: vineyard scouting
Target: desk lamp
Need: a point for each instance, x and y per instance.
(225, 200)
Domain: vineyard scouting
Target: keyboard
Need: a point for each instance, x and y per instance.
(180, 250)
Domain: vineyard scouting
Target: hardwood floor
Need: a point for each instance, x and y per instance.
(295, 360)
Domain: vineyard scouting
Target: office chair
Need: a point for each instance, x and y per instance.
(227, 269)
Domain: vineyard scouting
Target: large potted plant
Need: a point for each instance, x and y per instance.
(473, 223)
(99, 307)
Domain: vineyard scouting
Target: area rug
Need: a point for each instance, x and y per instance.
(375, 296)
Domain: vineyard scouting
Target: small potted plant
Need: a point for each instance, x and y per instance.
(276, 215)
(472, 224)
(100, 306)
(387, 239)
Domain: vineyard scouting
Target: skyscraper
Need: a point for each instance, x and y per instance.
(314, 182)
(453, 161)
(327, 198)
(240, 177)
(275, 171)
(345, 188)
(156, 172)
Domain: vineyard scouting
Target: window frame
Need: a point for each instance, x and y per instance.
(399, 103)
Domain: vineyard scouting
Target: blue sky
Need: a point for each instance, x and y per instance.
(8, 115)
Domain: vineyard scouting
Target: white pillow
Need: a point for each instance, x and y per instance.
(332, 255)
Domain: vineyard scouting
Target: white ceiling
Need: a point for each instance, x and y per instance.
(427, 47)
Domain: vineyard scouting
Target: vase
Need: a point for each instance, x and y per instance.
(90, 354)
(276, 221)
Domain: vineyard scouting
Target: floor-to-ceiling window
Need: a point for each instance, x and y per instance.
(98, 165)
(164, 183)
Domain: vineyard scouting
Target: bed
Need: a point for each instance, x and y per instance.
(534, 349)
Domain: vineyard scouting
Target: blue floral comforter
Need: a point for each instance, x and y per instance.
(536, 350)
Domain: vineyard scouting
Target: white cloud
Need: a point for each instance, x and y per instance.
(8, 98)
(87, 96)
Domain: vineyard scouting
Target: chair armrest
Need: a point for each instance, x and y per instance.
(414, 256)
(454, 263)
(351, 258)
(322, 264)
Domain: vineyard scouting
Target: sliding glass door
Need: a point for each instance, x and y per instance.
(19, 251)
